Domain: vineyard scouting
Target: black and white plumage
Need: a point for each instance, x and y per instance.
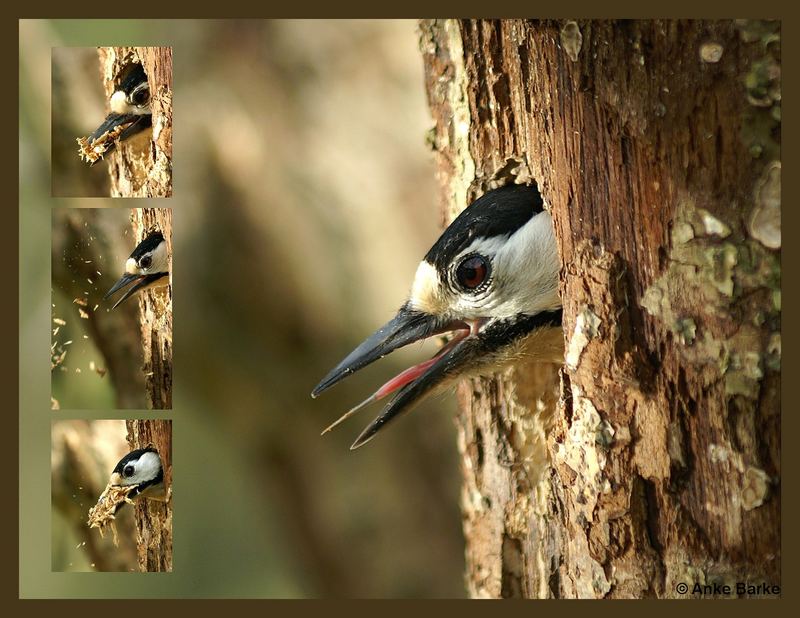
(141, 468)
(147, 267)
(492, 280)
(130, 109)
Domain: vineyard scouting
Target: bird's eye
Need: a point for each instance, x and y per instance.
(127, 471)
(141, 95)
(145, 262)
(472, 272)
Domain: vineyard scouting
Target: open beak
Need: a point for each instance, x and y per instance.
(413, 384)
(137, 281)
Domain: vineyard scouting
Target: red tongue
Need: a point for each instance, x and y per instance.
(400, 380)
(397, 382)
(412, 373)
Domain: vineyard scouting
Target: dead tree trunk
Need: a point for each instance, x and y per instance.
(155, 315)
(657, 146)
(154, 518)
(142, 167)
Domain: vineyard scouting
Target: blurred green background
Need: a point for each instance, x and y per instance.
(96, 351)
(304, 199)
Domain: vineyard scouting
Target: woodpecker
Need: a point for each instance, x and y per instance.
(130, 114)
(147, 267)
(142, 469)
(492, 281)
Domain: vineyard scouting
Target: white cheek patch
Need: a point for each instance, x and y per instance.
(530, 265)
(146, 467)
(426, 291)
(119, 103)
(131, 267)
(160, 259)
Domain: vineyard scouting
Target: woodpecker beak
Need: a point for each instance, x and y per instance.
(112, 121)
(138, 281)
(115, 128)
(413, 384)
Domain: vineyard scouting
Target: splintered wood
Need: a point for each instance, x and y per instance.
(101, 514)
(92, 151)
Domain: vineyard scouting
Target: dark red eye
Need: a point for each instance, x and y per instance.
(472, 272)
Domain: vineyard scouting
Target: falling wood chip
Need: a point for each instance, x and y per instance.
(98, 370)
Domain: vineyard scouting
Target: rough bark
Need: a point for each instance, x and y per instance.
(154, 518)
(142, 166)
(155, 314)
(657, 146)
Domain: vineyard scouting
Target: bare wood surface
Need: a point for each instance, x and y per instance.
(657, 146)
(139, 167)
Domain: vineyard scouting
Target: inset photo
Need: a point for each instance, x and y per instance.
(111, 329)
(111, 490)
(111, 122)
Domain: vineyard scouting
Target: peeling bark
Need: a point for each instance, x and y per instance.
(657, 146)
(154, 518)
(155, 315)
(142, 165)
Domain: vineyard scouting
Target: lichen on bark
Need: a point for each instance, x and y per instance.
(664, 186)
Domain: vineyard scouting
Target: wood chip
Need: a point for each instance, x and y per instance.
(101, 515)
(92, 152)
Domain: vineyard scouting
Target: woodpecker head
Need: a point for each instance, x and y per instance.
(130, 114)
(492, 280)
(142, 469)
(148, 266)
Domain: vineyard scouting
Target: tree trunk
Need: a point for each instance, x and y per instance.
(657, 146)
(154, 518)
(155, 314)
(142, 165)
